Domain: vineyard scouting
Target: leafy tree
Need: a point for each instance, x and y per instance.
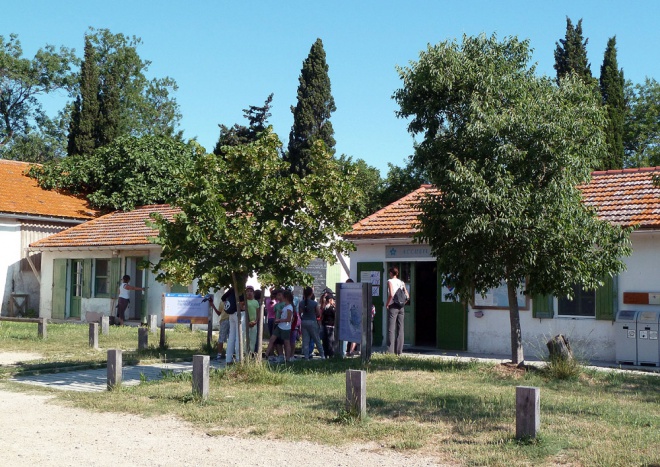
(400, 181)
(240, 134)
(241, 216)
(571, 54)
(611, 88)
(129, 172)
(369, 183)
(311, 115)
(22, 81)
(642, 124)
(507, 151)
(83, 133)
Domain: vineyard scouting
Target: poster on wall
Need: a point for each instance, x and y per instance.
(185, 308)
(499, 297)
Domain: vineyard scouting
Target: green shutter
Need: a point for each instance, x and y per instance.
(115, 271)
(607, 299)
(59, 288)
(543, 306)
(87, 278)
(377, 301)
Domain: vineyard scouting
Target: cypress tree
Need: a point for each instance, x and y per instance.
(612, 90)
(109, 109)
(311, 115)
(571, 54)
(83, 134)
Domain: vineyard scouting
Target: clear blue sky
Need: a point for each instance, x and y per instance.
(226, 55)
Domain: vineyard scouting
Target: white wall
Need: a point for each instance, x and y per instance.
(10, 257)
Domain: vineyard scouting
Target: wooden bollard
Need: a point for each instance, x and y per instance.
(41, 328)
(94, 335)
(528, 411)
(356, 392)
(143, 338)
(153, 323)
(162, 334)
(114, 368)
(200, 379)
(105, 325)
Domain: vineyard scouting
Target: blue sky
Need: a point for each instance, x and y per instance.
(226, 56)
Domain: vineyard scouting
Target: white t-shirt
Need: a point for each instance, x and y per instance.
(283, 313)
(396, 285)
(124, 292)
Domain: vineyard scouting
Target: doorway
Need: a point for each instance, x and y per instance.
(76, 288)
(138, 307)
(425, 299)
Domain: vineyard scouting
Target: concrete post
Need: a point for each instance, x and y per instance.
(114, 368)
(41, 328)
(200, 379)
(356, 392)
(105, 325)
(94, 335)
(153, 323)
(528, 411)
(143, 338)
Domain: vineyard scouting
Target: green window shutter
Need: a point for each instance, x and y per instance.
(87, 278)
(607, 299)
(59, 288)
(115, 271)
(543, 306)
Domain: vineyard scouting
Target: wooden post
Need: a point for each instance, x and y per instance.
(143, 338)
(94, 335)
(528, 411)
(162, 334)
(200, 379)
(105, 325)
(356, 392)
(153, 323)
(41, 328)
(209, 328)
(114, 368)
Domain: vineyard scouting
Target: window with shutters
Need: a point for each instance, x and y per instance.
(102, 278)
(582, 304)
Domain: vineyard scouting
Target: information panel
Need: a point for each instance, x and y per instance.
(185, 308)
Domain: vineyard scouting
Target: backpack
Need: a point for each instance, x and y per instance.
(400, 298)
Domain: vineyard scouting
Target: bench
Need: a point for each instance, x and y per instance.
(41, 323)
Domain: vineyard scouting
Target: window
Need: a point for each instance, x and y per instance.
(582, 304)
(101, 277)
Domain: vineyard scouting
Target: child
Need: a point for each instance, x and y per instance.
(283, 327)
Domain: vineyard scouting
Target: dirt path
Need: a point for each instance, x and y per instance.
(36, 431)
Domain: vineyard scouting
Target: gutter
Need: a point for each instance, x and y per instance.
(32, 217)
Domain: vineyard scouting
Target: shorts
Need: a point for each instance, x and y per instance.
(224, 331)
(284, 334)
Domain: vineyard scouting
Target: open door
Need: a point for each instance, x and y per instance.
(376, 297)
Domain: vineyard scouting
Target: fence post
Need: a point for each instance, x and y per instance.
(200, 379)
(143, 338)
(356, 392)
(528, 411)
(105, 325)
(153, 323)
(94, 335)
(162, 334)
(41, 328)
(114, 368)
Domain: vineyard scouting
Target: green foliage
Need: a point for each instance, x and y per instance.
(400, 181)
(571, 55)
(311, 115)
(240, 134)
(369, 183)
(22, 80)
(243, 213)
(83, 133)
(562, 368)
(129, 172)
(507, 150)
(611, 88)
(642, 124)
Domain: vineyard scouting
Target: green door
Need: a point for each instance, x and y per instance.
(451, 322)
(76, 288)
(59, 288)
(376, 299)
(144, 311)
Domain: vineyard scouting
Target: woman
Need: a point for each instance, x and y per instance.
(328, 324)
(310, 310)
(395, 313)
(124, 297)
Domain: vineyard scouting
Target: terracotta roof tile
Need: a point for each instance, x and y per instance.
(623, 197)
(20, 195)
(114, 229)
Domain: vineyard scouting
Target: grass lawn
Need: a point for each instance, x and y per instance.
(456, 412)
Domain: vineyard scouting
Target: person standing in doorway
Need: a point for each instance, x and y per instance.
(124, 298)
(395, 313)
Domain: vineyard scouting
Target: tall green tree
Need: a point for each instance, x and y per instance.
(83, 133)
(507, 150)
(23, 81)
(311, 115)
(257, 117)
(571, 54)
(612, 90)
(369, 183)
(401, 180)
(642, 124)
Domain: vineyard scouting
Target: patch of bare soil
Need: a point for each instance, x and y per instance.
(12, 358)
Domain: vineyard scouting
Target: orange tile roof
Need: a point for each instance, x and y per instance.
(623, 197)
(114, 229)
(20, 195)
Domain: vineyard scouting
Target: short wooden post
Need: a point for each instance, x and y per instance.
(162, 334)
(143, 338)
(200, 379)
(153, 323)
(528, 411)
(41, 328)
(105, 325)
(356, 392)
(94, 335)
(114, 368)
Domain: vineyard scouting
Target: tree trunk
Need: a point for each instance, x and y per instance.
(517, 356)
(239, 335)
(260, 323)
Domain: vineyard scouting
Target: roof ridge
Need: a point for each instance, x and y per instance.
(625, 171)
(364, 221)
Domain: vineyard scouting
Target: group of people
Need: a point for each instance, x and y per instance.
(287, 321)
